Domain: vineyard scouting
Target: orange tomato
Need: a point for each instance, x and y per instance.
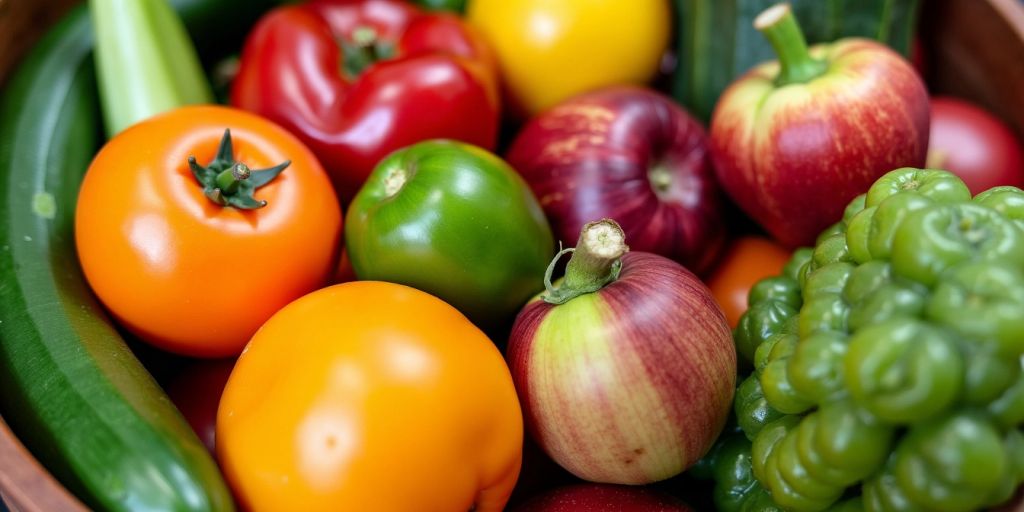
(177, 269)
(747, 261)
(370, 396)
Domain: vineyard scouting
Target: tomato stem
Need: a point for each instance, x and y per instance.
(780, 27)
(228, 179)
(596, 261)
(230, 183)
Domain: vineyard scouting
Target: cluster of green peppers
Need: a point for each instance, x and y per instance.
(887, 360)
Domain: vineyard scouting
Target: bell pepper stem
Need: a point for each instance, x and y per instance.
(780, 27)
(595, 262)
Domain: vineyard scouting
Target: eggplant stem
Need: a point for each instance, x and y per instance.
(596, 261)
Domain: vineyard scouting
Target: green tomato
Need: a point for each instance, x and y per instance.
(455, 221)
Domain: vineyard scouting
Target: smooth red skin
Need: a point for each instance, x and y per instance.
(588, 158)
(817, 156)
(653, 298)
(441, 84)
(603, 498)
(196, 391)
(975, 145)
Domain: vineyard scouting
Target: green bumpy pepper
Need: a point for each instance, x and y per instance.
(888, 360)
(933, 239)
(752, 409)
(939, 186)
(759, 323)
(1008, 201)
(780, 288)
(982, 301)
(796, 262)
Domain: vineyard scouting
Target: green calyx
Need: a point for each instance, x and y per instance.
(595, 262)
(230, 183)
(780, 27)
(363, 48)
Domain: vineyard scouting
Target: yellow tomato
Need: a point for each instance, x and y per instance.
(550, 50)
(370, 396)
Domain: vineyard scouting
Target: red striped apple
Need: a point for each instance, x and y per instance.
(626, 369)
(794, 141)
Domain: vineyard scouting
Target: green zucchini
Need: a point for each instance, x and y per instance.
(69, 386)
(717, 42)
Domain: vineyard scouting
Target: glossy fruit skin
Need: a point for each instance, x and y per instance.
(632, 155)
(603, 42)
(440, 82)
(391, 401)
(775, 148)
(899, 382)
(181, 272)
(603, 498)
(463, 226)
(975, 145)
(748, 260)
(653, 343)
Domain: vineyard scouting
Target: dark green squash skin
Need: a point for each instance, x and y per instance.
(70, 388)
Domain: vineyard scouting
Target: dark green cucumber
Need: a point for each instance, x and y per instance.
(717, 41)
(69, 386)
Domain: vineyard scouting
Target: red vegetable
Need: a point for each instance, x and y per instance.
(626, 370)
(975, 145)
(196, 391)
(632, 155)
(356, 80)
(603, 498)
(794, 141)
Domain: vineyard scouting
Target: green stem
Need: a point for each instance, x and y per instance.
(228, 179)
(780, 27)
(595, 262)
(363, 49)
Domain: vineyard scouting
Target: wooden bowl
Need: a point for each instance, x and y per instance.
(974, 49)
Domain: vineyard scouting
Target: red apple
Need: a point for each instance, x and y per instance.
(975, 145)
(626, 368)
(628, 154)
(794, 141)
(603, 498)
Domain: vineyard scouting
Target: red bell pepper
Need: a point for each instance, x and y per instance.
(358, 79)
